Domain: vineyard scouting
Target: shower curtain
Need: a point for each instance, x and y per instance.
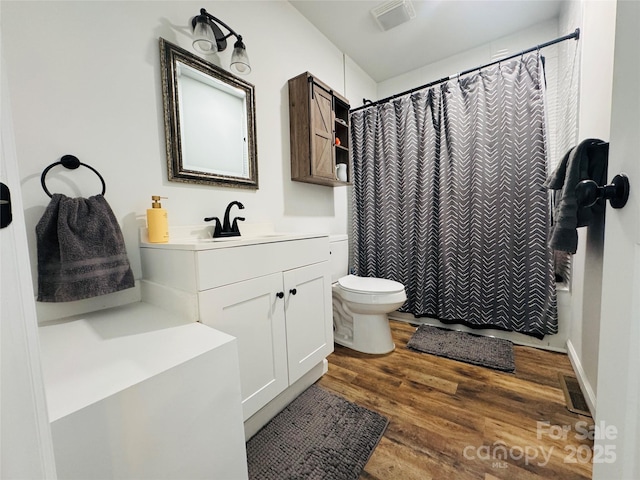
(448, 199)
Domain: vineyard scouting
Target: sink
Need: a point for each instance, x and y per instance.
(197, 237)
(242, 238)
(221, 239)
(225, 239)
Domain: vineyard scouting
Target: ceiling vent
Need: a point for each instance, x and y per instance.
(393, 13)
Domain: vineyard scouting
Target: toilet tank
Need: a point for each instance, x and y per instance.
(339, 258)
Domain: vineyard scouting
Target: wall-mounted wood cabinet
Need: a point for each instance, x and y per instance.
(319, 127)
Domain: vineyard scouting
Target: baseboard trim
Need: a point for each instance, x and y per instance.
(585, 385)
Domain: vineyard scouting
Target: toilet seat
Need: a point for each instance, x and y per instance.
(370, 285)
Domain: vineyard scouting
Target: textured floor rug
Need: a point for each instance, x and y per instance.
(466, 347)
(318, 436)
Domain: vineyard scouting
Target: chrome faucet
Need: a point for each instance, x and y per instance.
(227, 229)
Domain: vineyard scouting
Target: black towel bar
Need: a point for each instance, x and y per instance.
(71, 162)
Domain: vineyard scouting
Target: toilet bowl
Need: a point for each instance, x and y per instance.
(361, 305)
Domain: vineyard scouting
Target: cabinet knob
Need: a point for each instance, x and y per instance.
(293, 291)
(280, 294)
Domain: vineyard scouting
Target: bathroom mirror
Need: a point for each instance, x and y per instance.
(209, 119)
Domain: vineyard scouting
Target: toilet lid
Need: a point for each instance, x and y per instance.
(354, 283)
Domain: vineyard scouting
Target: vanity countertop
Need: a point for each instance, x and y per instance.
(199, 238)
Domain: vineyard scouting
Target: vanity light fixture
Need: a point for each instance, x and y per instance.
(209, 38)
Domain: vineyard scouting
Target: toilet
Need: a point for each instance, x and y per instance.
(361, 304)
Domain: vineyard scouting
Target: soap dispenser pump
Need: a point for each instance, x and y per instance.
(157, 222)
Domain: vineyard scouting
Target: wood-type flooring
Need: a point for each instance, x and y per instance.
(452, 420)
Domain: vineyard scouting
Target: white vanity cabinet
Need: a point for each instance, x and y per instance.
(307, 306)
(280, 323)
(273, 295)
(251, 312)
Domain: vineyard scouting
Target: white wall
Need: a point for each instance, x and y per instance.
(85, 80)
(480, 55)
(597, 23)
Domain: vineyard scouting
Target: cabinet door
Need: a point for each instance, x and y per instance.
(251, 312)
(322, 119)
(308, 316)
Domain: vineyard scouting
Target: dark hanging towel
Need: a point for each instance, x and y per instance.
(586, 161)
(81, 250)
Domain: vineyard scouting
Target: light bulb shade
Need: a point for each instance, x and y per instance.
(239, 59)
(204, 40)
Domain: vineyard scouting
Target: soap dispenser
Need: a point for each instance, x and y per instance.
(157, 222)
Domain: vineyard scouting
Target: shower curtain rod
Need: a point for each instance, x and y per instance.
(369, 103)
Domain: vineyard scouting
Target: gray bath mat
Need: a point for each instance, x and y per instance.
(465, 347)
(318, 436)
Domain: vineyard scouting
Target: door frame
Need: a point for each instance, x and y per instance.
(617, 438)
(26, 449)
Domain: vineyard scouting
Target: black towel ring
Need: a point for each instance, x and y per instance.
(71, 162)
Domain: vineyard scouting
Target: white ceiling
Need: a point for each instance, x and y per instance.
(441, 29)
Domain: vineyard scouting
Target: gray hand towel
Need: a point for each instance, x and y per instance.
(81, 251)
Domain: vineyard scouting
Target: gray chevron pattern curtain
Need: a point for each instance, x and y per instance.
(448, 199)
